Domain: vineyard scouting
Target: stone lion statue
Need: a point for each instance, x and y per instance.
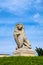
(20, 37)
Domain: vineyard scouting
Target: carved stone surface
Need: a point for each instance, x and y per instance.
(23, 45)
(24, 52)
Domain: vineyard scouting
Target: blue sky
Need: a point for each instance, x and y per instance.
(27, 12)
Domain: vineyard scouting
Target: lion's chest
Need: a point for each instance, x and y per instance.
(20, 38)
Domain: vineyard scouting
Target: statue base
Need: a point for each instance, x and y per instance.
(24, 52)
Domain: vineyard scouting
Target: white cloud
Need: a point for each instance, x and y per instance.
(19, 6)
(38, 5)
(38, 18)
(16, 6)
(38, 1)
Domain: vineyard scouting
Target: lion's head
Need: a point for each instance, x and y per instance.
(19, 27)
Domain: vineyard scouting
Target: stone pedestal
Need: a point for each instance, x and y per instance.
(24, 52)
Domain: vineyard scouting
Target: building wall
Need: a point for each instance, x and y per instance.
(4, 55)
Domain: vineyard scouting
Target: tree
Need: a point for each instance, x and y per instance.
(39, 51)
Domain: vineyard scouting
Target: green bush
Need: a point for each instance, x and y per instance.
(39, 51)
(21, 60)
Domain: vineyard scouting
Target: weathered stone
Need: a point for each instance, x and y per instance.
(23, 45)
(24, 52)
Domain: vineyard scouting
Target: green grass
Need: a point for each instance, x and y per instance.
(21, 60)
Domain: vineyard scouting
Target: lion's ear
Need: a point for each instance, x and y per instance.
(17, 24)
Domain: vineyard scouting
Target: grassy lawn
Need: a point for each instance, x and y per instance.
(21, 60)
